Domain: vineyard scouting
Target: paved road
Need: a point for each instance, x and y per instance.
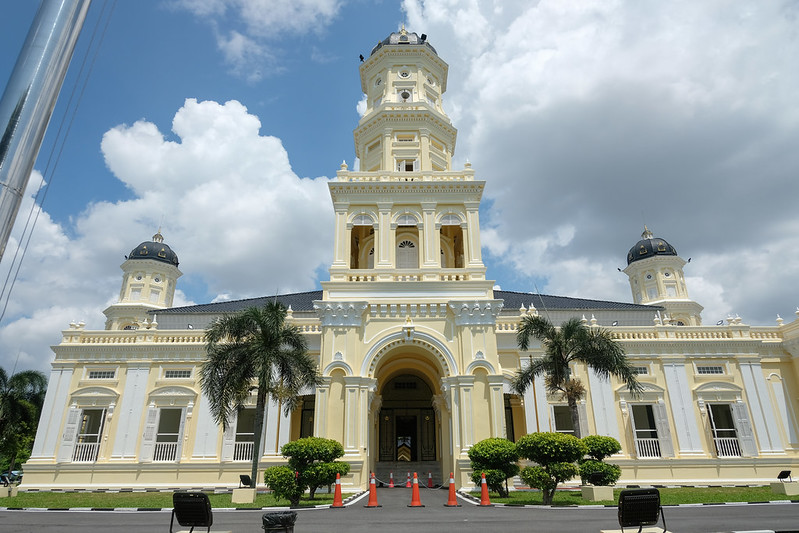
(395, 515)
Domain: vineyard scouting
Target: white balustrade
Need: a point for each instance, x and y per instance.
(242, 451)
(727, 447)
(165, 451)
(647, 448)
(85, 452)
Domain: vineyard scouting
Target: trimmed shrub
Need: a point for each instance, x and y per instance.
(555, 453)
(283, 482)
(496, 458)
(600, 447)
(599, 473)
(315, 460)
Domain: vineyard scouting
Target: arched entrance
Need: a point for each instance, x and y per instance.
(411, 426)
(407, 428)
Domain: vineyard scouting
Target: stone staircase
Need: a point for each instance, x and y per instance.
(401, 469)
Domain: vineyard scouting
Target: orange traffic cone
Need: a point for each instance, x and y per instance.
(415, 501)
(408, 481)
(372, 493)
(484, 491)
(337, 502)
(391, 480)
(429, 480)
(453, 501)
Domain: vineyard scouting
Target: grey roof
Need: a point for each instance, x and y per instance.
(299, 301)
(514, 300)
(303, 301)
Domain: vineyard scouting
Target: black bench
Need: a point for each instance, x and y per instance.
(192, 509)
(640, 507)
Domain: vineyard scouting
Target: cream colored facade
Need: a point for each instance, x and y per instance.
(415, 347)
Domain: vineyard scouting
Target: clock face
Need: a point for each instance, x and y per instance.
(404, 74)
(378, 81)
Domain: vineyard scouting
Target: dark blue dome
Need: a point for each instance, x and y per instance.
(156, 250)
(649, 246)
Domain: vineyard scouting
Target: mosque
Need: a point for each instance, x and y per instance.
(415, 347)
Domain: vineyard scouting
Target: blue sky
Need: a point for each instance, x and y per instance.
(222, 120)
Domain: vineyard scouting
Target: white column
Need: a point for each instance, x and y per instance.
(786, 412)
(388, 152)
(682, 409)
(429, 236)
(320, 408)
(763, 411)
(56, 403)
(131, 405)
(603, 406)
(544, 412)
(385, 243)
(466, 386)
(270, 436)
(206, 431)
(341, 256)
(472, 239)
(351, 413)
(497, 406)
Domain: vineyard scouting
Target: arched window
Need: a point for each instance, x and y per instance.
(407, 255)
(406, 220)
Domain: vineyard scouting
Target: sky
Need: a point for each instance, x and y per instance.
(222, 121)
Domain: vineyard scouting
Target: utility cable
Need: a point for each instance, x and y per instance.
(53, 157)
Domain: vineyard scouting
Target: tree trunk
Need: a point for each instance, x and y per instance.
(258, 428)
(547, 495)
(575, 416)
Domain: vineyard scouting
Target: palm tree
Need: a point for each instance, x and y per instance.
(255, 350)
(573, 341)
(21, 399)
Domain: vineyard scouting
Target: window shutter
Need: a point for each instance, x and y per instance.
(229, 438)
(664, 432)
(416, 165)
(582, 413)
(743, 427)
(148, 437)
(180, 433)
(69, 435)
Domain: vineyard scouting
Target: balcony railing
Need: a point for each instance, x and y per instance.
(647, 448)
(85, 452)
(165, 451)
(727, 447)
(242, 451)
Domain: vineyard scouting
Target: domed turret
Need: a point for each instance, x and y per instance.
(151, 273)
(656, 278)
(649, 246)
(155, 249)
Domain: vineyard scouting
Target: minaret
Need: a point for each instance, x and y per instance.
(148, 284)
(406, 215)
(656, 278)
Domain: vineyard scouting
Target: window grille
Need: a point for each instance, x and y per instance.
(177, 374)
(641, 370)
(707, 370)
(102, 374)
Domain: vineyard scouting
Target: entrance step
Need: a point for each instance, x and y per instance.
(383, 470)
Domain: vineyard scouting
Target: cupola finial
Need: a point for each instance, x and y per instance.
(647, 234)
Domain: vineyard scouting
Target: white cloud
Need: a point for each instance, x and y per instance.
(249, 31)
(605, 116)
(242, 223)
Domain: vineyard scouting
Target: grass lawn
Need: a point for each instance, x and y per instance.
(667, 496)
(162, 500)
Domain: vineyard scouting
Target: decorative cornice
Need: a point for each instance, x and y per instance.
(476, 312)
(346, 314)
